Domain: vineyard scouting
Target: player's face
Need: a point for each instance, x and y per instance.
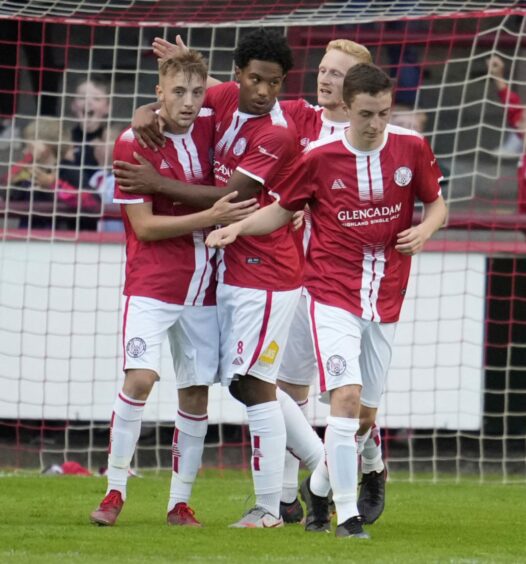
(369, 116)
(90, 106)
(259, 85)
(181, 98)
(331, 72)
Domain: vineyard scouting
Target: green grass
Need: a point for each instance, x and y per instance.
(44, 519)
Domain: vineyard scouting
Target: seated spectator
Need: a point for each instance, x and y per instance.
(516, 117)
(37, 178)
(90, 108)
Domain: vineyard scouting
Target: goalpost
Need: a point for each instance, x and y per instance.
(455, 403)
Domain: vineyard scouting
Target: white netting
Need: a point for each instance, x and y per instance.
(455, 403)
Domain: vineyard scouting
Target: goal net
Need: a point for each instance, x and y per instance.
(455, 403)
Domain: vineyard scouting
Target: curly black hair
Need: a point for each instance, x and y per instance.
(264, 45)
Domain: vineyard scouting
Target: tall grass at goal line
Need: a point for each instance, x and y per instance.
(44, 519)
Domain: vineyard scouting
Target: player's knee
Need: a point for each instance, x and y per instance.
(297, 392)
(139, 383)
(193, 400)
(345, 401)
(366, 420)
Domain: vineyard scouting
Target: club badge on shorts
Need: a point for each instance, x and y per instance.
(403, 176)
(135, 347)
(336, 365)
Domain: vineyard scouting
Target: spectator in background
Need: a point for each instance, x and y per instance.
(90, 108)
(103, 179)
(516, 117)
(36, 177)
(512, 146)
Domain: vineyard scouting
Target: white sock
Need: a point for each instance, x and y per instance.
(292, 466)
(372, 452)
(302, 439)
(269, 439)
(124, 434)
(187, 452)
(342, 463)
(320, 484)
(360, 441)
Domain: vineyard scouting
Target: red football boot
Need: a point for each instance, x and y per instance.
(181, 514)
(108, 510)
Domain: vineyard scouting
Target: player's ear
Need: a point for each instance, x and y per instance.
(159, 92)
(237, 73)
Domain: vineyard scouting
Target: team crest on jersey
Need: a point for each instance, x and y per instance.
(403, 176)
(336, 365)
(304, 141)
(240, 146)
(136, 347)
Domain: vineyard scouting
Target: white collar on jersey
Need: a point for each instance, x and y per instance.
(174, 136)
(276, 115)
(336, 124)
(359, 153)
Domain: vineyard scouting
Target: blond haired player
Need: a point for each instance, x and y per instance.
(169, 289)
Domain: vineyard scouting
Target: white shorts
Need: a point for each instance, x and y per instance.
(351, 350)
(254, 327)
(193, 334)
(299, 364)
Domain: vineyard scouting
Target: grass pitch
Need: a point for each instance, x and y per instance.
(44, 519)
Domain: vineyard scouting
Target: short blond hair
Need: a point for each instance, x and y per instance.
(49, 131)
(359, 52)
(189, 62)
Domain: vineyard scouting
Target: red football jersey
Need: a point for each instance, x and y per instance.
(310, 122)
(360, 201)
(311, 126)
(263, 148)
(180, 270)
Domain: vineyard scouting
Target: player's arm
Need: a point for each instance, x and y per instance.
(264, 221)
(412, 240)
(142, 178)
(150, 227)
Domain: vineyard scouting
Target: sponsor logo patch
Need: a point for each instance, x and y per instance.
(164, 164)
(136, 347)
(268, 356)
(336, 365)
(253, 260)
(264, 151)
(403, 176)
(238, 361)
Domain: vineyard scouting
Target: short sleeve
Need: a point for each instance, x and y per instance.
(123, 151)
(429, 174)
(298, 189)
(269, 156)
